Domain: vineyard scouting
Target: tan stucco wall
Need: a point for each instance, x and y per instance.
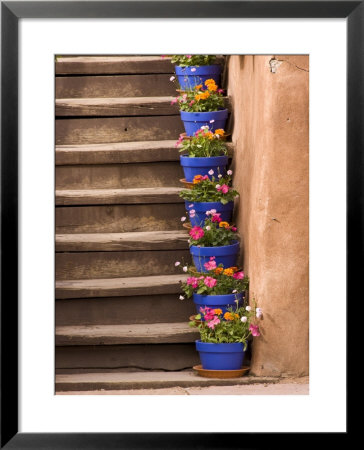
(270, 133)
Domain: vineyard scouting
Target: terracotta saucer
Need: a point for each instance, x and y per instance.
(187, 184)
(192, 318)
(221, 373)
(187, 225)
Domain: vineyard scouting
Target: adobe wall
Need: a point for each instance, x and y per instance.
(269, 97)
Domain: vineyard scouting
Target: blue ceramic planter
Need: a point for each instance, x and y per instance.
(221, 356)
(193, 121)
(200, 208)
(217, 301)
(189, 77)
(201, 166)
(226, 255)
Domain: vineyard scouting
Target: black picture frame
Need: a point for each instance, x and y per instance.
(11, 12)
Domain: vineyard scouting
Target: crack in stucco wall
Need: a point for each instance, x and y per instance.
(275, 63)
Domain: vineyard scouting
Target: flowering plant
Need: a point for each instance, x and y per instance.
(236, 325)
(202, 98)
(205, 189)
(214, 233)
(204, 143)
(217, 281)
(193, 60)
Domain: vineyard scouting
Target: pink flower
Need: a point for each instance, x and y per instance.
(208, 313)
(233, 229)
(192, 102)
(196, 233)
(184, 97)
(238, 275)
(220, 91)
(189, 56)
(216, 218)
(210, 265)
(192, 281)
(254, 330)
(209, 281)
(224, 189)
(215, 321)
(174, 101)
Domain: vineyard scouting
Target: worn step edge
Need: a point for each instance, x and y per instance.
(148, 240)
(147, 380)
(118, 196)
(125, 106)
(156, 333)
(119, 287)
(121, 153)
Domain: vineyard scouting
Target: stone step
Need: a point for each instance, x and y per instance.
(101, 358)
(120, 153)
(156, 333)
(126, 106)
(119, 287)
(82, 65)
(149, 240)
(116, 264)
(147, 308)
(106, 86)
(147, 380)
(101, 130)
(118, 196)
(119, 176)
(116, 218)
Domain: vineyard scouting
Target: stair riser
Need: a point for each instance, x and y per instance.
(89, 265)
(123, 310)
(119, 218)
(117, 129)
(148, 85)
(147, 357)
(119, 176)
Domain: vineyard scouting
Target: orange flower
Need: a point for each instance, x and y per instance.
(218, 270)
(234, 269)
(209, 81)
(212, 87)
(198, 87)
(205, 95)
(198, 97)
(210, 135)
(228, 316)
(229, 272)
(224, 225)
(220, 132)
(197, 179)
(218, 311)
(236, 316)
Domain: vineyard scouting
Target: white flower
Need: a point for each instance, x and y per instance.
(208, 228)
(181, 297)
(193, 69)
(229, 172)
(235, 291)
(205, 127)
(211, 172)
(212, 121)
(217, 186)
(213, 211)
(183, 219)
(219, 176)
(208, 213)
(258, 310)
(199, 146)
(177, 263)
(244, 319)
(192, 216)
(258, 315)
(191, 205)
(192, 211)
(172, 78)
(248, 308)
(184, 269)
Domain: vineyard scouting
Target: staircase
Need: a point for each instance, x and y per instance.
(118, 229)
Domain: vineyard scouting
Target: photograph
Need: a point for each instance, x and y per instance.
(181, 224)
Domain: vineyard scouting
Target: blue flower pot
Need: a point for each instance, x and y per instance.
(217, 301)
(201, 166)
(189, 77)
(221, 356)
(226, 255)
(193, 121)
(200, 208)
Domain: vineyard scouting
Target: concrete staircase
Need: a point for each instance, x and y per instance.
(118, 229)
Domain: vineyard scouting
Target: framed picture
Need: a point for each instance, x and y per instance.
(25, 195)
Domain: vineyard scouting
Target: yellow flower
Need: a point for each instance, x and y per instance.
(218, 311)
(228, 316)
(228, 272)
(224, 225)
(220, 132)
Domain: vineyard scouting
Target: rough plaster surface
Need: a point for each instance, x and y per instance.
(270, 106)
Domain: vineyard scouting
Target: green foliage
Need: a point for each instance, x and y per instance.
(205, 189)
(204, 143)
(193, 60)
(202, 98)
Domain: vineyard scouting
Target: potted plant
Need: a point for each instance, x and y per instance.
(203, 151)
(192, 70)
(224, 336)
(201, 106)
(215, 239)
(213, 194)
(219, 288)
